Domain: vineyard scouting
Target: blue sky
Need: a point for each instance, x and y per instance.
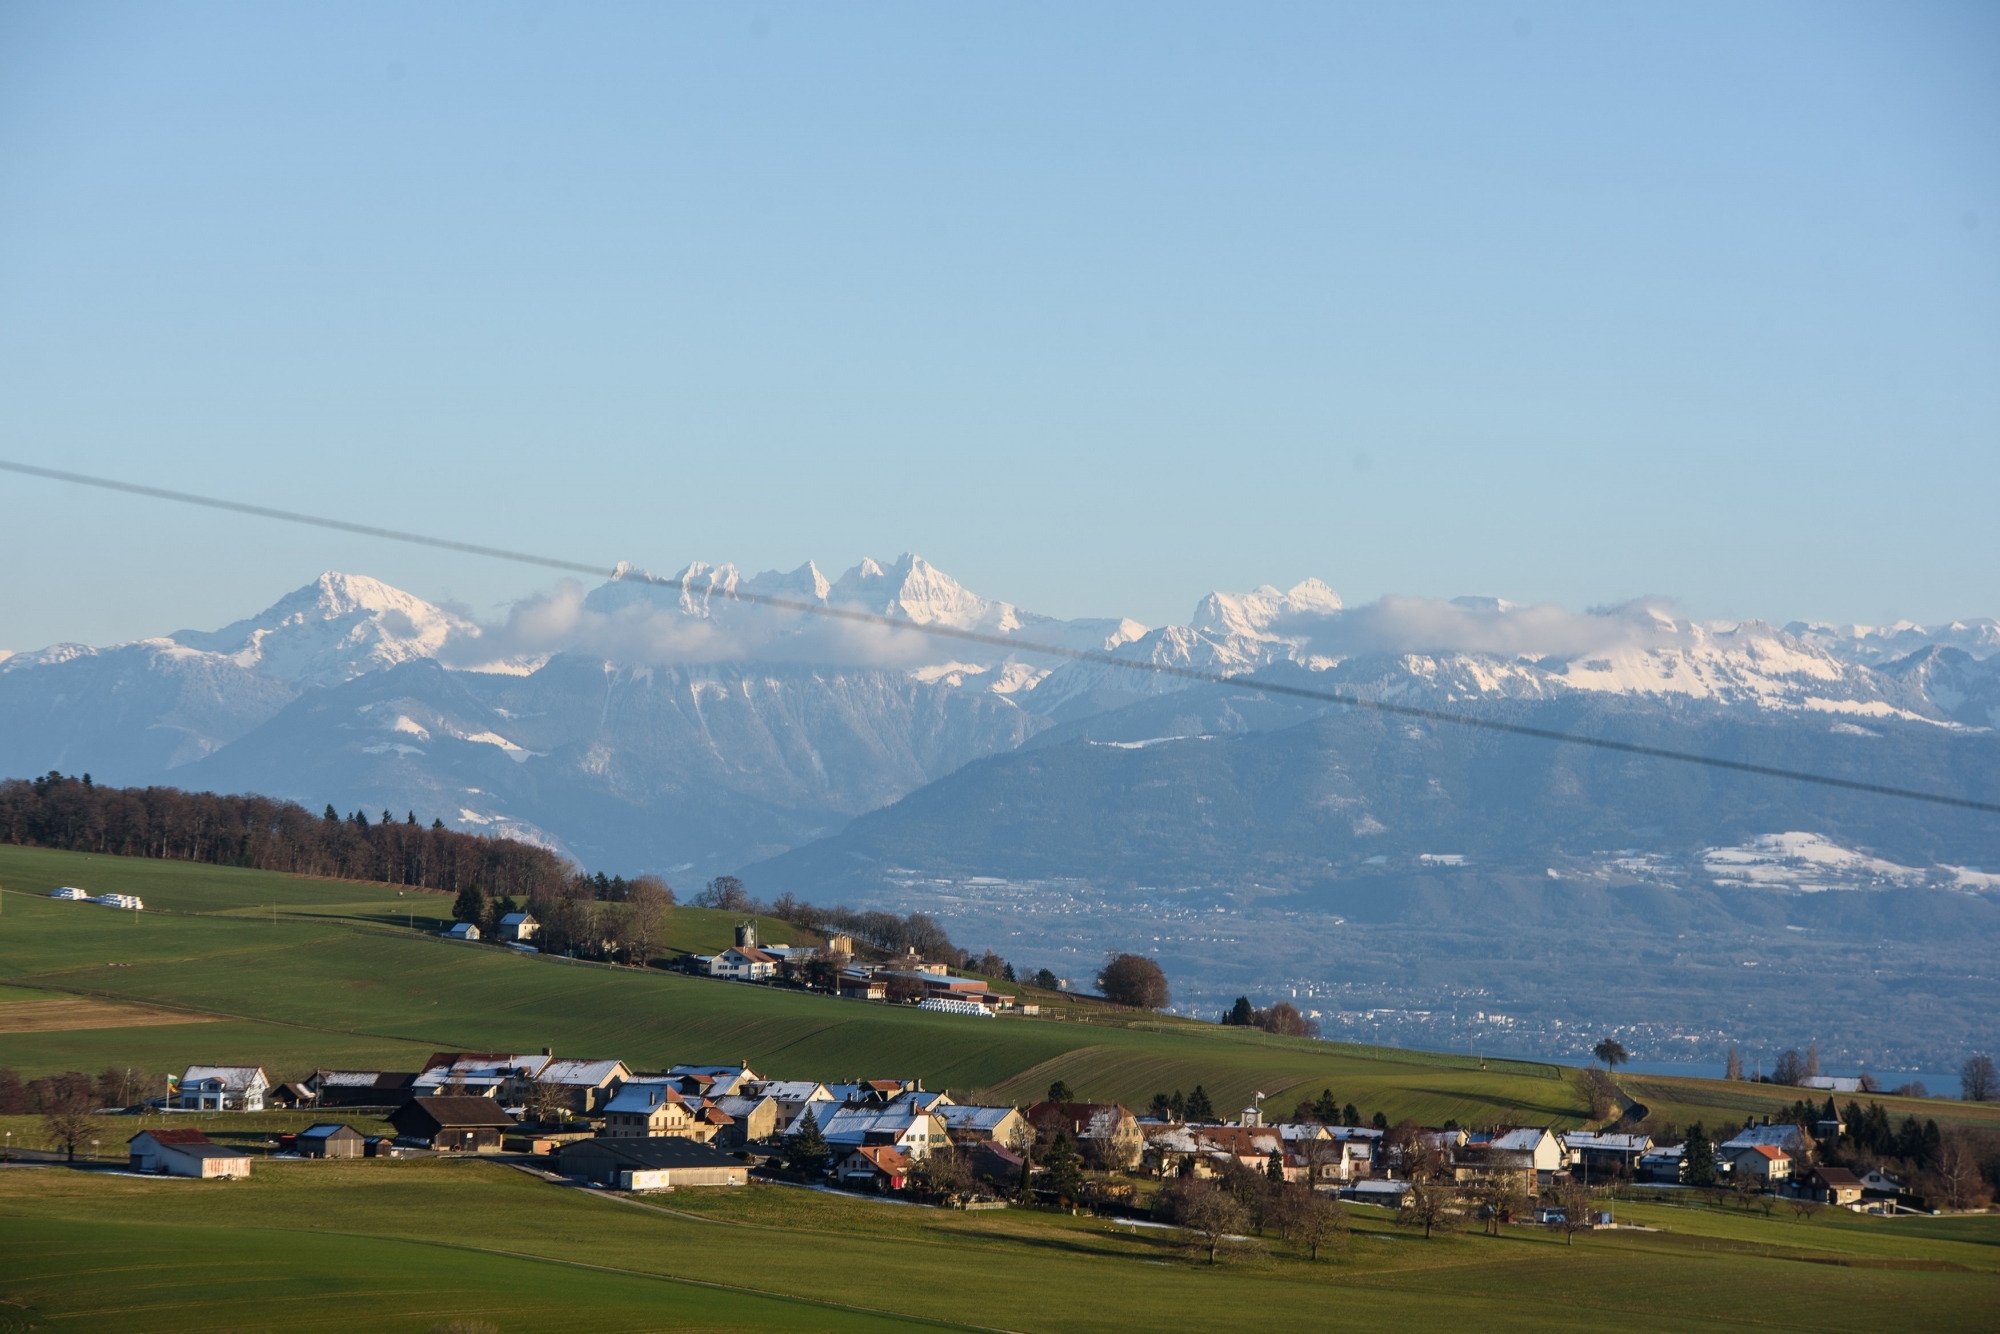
(1096, 306)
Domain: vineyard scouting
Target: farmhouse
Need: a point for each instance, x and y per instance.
(650, 1164)
(1538, 1142)
(915, 1133)
(483, 1074)
(647, 1109)
(586, 1085)
(331, 1140)
(517, 928)
(185, 1153)
(1107, 1127)
(982, 1125)
(743, 963)
(792, 1097)
(751, 1120)
(220, 1088)
(452, 1125)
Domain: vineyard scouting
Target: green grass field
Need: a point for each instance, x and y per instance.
(232, 966)
(295, 973)
(401, 1245)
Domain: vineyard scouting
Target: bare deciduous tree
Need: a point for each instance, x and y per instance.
(646, 905)
(66, 1128)
(1428, 1203)
(1977, 1079)
(1206, 1210)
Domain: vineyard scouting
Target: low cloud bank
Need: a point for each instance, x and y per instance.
(660, 625)
(1400, 625)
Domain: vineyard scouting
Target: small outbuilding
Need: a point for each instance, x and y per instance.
(331, 1140)
(452, 1125)
(463, 931)
(186, 1153)
(650, 1164)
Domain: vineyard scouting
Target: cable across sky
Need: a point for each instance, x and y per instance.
(1101, 657)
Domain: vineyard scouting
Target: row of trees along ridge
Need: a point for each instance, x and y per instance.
(264, 834)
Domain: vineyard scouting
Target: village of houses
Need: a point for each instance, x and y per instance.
(600, 1123)
(597, 1122)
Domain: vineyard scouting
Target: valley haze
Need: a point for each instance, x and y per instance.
(1406, 882)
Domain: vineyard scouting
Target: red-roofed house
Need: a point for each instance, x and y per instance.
(882, 1166)
(1764, 1163)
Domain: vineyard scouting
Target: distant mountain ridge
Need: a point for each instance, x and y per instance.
(646, 726)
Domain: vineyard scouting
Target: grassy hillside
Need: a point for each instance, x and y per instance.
(293, 973)
(405, 1245)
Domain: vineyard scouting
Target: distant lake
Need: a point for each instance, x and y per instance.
(1943, 1085)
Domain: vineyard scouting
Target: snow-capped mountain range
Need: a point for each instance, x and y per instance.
(750, 730)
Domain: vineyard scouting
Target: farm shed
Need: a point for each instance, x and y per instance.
(650, 1164)
(363, 1088)
(452, 1125)
(331, 1140)
(185, 1153)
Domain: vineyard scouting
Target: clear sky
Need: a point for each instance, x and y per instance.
(1095, 306)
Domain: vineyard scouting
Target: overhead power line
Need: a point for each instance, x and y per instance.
(1098, 656)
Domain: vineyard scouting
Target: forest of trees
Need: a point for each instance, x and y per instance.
(77, 815)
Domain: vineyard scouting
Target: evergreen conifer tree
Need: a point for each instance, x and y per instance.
(807, 1150)
(1327, 1108)
(1698, 1158)
(471, 905)
(1350, 1115)
(1178, 1106)
(1062, 1169)
(1198, 1106)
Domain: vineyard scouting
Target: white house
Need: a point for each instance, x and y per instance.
(743, 963)
(220, 1088)
(185, 1153)
(1539, 1142)
(463, 931)
(517, 927)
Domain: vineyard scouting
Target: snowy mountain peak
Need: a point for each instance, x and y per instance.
(805, 584)
(336, 628)
(1252, 615)
(912, 588)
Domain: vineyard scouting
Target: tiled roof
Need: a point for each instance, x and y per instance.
(174, 1136)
